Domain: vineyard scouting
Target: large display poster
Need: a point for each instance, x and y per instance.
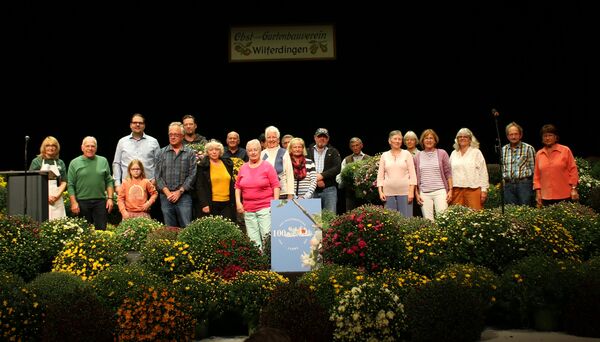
(293, 226)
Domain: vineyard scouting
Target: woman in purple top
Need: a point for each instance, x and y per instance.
(257, 184)
(434, 176)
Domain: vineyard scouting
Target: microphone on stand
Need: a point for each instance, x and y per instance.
(25, 180)
(498, 148)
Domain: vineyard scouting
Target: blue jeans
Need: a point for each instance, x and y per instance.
(177, 214)
(399, 204)
(519, 192)
(328, 198)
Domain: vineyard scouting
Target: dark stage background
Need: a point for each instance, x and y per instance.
(408, 67)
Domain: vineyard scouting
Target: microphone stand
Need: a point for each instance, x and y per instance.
(25, 180)
(498, 148)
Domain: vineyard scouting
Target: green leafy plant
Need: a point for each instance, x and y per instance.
(535, 283)
(369, 312)
(164, 233)
(20, 313)
(54, 234)
(582, 313)
(250, 290)
(367, 237)
(425, 250)
(310, 320)
(365, 178)
(589, 182)
(204, 291)
(132, 233)
(480, 279)
(444, 311)
(580, 221)
(72, 310)
(21, 251)
(399, 282)
(483, 237)
(89, 255)
(330, 281)
(168, 259)
(118, 282)
(221, 247)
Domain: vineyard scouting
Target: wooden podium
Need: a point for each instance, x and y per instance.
(28, 193)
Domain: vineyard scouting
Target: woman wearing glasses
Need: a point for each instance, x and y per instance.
(48, 159)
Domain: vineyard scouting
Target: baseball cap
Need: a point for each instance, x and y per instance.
(322, 131)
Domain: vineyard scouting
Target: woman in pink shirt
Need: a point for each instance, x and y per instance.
(555, 175)
(257, 184)
(396, 178)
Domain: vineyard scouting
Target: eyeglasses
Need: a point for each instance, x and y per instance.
(137, 123)
(175, 135)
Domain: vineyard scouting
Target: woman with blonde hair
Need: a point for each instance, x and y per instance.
(215, 184)
(469, 171)
(48, 159)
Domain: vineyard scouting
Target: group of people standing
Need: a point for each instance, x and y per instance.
(435, 180)
(190, 182)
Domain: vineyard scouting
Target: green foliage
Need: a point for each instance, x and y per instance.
(367, 237)
(589, 181)
(482, 237)
(164, 233)
(221, 246)
(89, 255)
(365, 178)
(310, 320)
(132, 233)
(495, 176)
(425, 250)
(3, 200)
(542, 234)
(21, 251)
(582, 222)
(54, 234)
(330, 281)
(118, 282)
(399, 282)
(155, 315)
(72, 310)
(19, 312)
(494, 198)
(327, 216)
(204, 291)
(250, 290)
(444, 311)
(168, 259)
(369, 312)
(481, 280)
(582, 313)
(533, 283)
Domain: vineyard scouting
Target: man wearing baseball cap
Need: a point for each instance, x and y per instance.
(328, 161)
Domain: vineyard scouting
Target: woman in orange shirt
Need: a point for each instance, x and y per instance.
(555, 176)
